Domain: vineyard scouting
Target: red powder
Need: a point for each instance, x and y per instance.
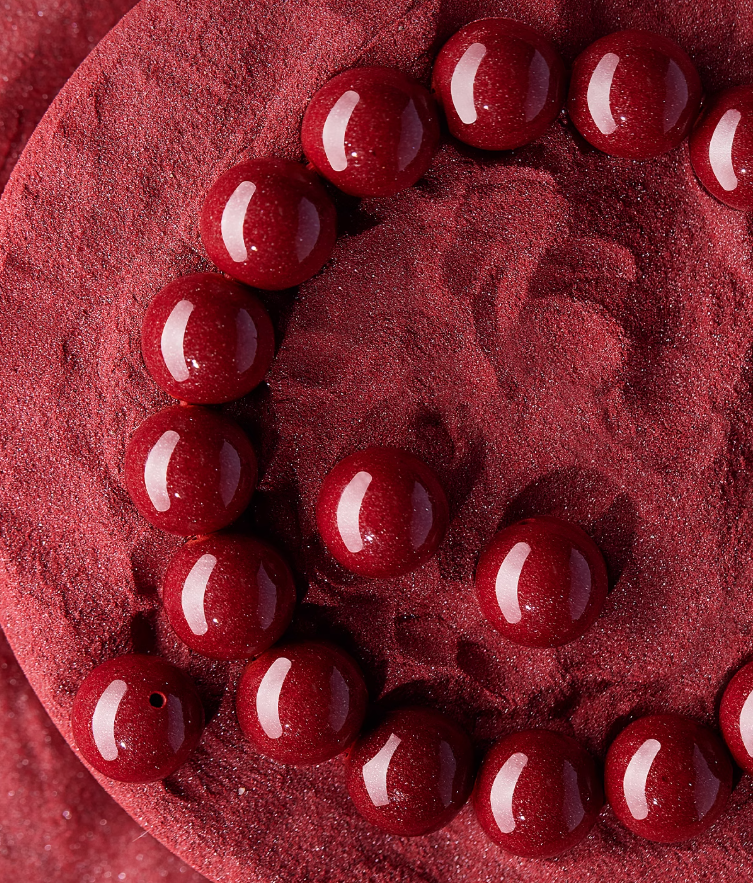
(552, 330)
(41, 44)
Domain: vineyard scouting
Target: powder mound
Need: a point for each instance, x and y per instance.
(554, 331)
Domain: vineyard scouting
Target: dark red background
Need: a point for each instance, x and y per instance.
(554, 331)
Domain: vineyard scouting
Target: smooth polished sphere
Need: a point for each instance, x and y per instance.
(268, 223)
(667, 778)
(721, 145)
(381, 512)
(537, 793)
(137, 718)
(541, 582)
(372, 131)
(228, 596)
(737, 717)
(412, 772)
(301, 703)
(206, 340)
(190, 471)
(500, 83)
(634, 94)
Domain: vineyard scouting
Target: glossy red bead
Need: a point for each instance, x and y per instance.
(541, 582)
(381, 512)
(537, 793)
(268, 223)
(206, 339)
(667, 777)
(721, 145)
(228, 596)
(137, 718)
(737, 717)
(412, 772)
(634, 94)
(372, 131)
(190, 471)
(500, 83)
(301, 703)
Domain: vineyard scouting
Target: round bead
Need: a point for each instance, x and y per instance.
(136, 718)
(382, 512)
(412, 772)
(372, 131)
(228, 597)
(537, 793)
(268, 223)
(541, 582)
(667, 777)
(206, 340)
(721, 145)
(736, 717)
(634, 94)
(500, 83)
(190, 471)
(301, 703)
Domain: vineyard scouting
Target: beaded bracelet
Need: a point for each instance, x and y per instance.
(269, 223)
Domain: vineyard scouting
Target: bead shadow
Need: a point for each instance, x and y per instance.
(319, 622)
(587, 498)
(441, 694)
(149, 556)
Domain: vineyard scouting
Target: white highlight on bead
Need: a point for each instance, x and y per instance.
(462, 82)
(232, 221)
(598, 93)
(308, 228)
(156, 470)
(230, 472)
(448, 767)
(412, 134)
(676, 95)
(268, 598)
(581, 585)
(374, 772)
(501, 793)
(706, 784)
(268, 697)
(334, 130)
(506, 582)
(340, 700)
(176, 724)
(246, 341)
(349, 509)
(192, 595)
(635, 778)
(421, 515)
(171, 341)
(746, 724)
(721, 149)
(103, 719)
(539, 82)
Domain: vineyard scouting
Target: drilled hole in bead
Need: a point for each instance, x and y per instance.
(157, 700)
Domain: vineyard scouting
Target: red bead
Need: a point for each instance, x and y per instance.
(382, 512)
(736, 713)
(189, 470)
(268, 223)
(412, 772)
(301, 703)
(372, 131)
(721, 145)
(137, 718)
(667, 778)
(500, 83)
(206, 340)
(634, 94)
(537, 793)
(541, 582)
(228, 597)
